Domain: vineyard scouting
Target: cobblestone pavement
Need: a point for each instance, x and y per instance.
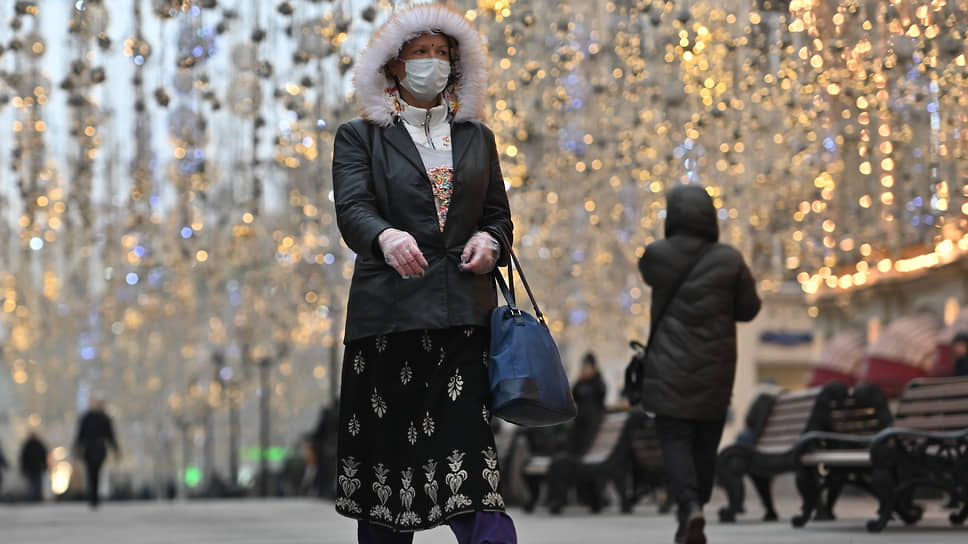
(298, 521)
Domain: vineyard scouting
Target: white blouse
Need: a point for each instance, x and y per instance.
(430, 132)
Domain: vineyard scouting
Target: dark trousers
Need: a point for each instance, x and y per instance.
(35, 486)
(93, 464)
(689, 450)
(476, 528)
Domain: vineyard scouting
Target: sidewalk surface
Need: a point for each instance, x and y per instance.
(304, 521)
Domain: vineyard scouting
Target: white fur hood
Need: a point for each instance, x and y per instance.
(375, 93)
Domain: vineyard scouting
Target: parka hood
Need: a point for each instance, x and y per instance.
(376, 95)
(690, 210)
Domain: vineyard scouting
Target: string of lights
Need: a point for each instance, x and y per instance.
(166, 199)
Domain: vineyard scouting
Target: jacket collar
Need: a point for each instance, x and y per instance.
(398, 137)
(418, 117)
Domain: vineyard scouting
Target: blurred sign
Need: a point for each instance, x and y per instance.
(193, 476)
(272, 453)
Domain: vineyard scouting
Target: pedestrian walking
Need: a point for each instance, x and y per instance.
(33, 466)
(95, 434)
(3, 467)
(420, 198)
(704, 287)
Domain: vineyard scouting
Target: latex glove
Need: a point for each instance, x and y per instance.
(402, 253)
(480, 253)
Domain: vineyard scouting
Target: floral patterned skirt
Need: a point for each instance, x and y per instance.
(415, 441)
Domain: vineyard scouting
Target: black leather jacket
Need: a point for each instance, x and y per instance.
(691, 364)
(380, 182)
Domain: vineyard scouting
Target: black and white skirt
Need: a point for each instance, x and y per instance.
(415, 441)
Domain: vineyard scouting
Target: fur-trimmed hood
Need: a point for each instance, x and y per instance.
(375, 93)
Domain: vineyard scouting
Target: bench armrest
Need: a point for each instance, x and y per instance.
(893, 442)
(892, 433)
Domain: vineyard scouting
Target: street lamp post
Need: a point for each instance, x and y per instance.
(264, 396)
(217, 360)
(233, 398)
(184, 427)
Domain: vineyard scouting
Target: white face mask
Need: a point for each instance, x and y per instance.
(426, 78)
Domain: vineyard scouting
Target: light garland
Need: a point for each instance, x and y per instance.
(832, 136)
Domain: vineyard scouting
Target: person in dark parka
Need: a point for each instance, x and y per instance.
(95, 434)
(691, 364)
(33, 465)
(589, 393)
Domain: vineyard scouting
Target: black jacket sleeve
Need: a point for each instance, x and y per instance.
(356, 212)
(747, 301)
(496, 219)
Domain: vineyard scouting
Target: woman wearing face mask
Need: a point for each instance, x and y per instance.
(420, 198)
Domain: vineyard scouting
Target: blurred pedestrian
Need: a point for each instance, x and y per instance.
(705, 287)
(324, 439)
(95, 434)
(420, 198)
(33, 466)
(3, 467)
(589, 393)
(959, 352)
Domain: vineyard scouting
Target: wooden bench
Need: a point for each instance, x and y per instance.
(837, 452)
(606, 460)
(770, 453)
(543, 444)
(926, 445)
(624, 454)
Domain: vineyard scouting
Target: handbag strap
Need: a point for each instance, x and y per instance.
(508, 292)
(682, 279)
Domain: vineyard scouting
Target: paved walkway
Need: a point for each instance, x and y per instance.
(312, 522)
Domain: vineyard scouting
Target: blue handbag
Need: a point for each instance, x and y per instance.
(528, 383)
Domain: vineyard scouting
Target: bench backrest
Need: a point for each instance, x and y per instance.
(607, 437)
(788, 419)
(934, 404)
(862, 411)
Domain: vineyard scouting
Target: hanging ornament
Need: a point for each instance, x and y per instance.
(89, 19)
(166, 8)
(186, 126)
(244, 56)
(311, 38)
(195, 46)
(245, 96)
(137, 49)
(34, 45)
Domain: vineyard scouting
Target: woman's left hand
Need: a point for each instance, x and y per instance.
(480, 253)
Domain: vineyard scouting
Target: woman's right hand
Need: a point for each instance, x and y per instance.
(402, 253)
